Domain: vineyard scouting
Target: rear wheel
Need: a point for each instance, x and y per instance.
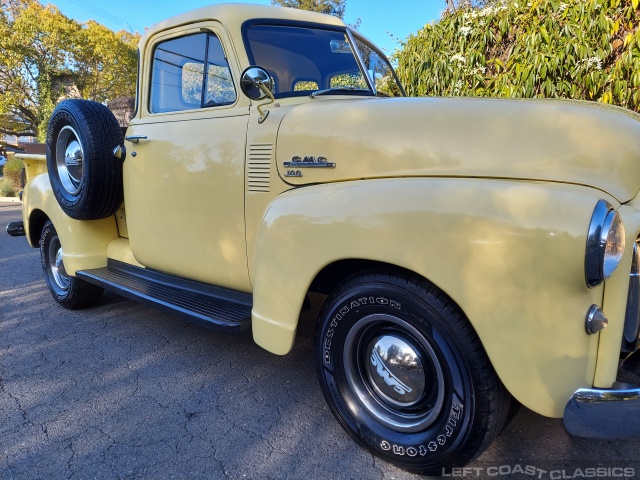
(68, 291)
(406, 375)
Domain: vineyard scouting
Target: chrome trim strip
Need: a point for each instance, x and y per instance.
(606, 414)
(310, 164)
(352, 41)
(593, 255)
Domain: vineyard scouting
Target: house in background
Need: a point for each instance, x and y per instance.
(10, 145)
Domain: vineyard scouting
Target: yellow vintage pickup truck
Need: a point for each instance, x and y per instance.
(472, 251)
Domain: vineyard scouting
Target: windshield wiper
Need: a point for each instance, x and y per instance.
(338, 89)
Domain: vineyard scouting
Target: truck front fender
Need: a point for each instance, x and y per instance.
(510, 254)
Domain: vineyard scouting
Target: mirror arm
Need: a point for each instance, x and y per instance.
(266, 91)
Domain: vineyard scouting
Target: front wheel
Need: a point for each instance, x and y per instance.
(405, 374)
(70, 292)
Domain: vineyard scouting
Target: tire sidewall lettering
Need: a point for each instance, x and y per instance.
(423, 450)
(345, 309)
(43, 247)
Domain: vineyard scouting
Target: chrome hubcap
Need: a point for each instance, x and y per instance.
(69, 159)
(56, 265)
(394, 373)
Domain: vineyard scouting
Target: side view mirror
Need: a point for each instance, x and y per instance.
(254, 82)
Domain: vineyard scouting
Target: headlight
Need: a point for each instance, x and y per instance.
(605, 244)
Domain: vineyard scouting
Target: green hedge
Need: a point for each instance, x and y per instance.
(582, 49)
(6, 188)
(11, 176)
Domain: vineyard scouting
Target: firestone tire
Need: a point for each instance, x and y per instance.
(406, 375)
(70, 292)
(85, 176)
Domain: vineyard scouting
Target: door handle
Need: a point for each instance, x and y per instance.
(135, 138)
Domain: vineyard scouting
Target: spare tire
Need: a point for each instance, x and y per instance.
(85, 176)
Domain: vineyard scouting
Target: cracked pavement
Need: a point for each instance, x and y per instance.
(123, 391)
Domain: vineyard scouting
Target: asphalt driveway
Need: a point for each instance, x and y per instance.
(124, 391)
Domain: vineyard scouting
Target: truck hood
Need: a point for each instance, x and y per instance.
(547, 140)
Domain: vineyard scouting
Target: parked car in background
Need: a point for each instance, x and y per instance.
(3, 162)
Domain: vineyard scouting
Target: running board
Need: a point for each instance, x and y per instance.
(199, 303)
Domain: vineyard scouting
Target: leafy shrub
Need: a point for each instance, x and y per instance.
(12, 171)
(6, 188)
(582, 49)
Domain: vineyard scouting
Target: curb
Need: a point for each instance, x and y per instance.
(10, 200)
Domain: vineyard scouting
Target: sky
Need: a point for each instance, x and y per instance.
(379, 18)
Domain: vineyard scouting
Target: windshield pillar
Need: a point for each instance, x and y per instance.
(363, 67)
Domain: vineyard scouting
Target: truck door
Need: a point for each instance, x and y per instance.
(184, 172)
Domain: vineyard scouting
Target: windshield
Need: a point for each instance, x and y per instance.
(304, 59)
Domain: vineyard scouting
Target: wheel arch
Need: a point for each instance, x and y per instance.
(36, 222)
(335, 273)
(339, 270)
(84, 241)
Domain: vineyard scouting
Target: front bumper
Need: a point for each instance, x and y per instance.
(607, 414)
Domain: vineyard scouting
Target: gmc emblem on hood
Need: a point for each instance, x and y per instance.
(309, 162)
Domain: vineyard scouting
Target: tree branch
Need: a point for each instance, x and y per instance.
(27, 113)
(26, 133)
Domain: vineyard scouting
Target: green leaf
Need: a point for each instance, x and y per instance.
(545, 35)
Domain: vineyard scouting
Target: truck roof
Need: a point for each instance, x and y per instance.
(233, 15)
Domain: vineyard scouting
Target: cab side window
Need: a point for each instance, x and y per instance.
(179, 80)
(220, 89)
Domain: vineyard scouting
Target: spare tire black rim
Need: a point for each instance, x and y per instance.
(394, 373)
(69, 159)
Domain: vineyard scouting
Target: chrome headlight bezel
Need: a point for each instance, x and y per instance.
(606, 229)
